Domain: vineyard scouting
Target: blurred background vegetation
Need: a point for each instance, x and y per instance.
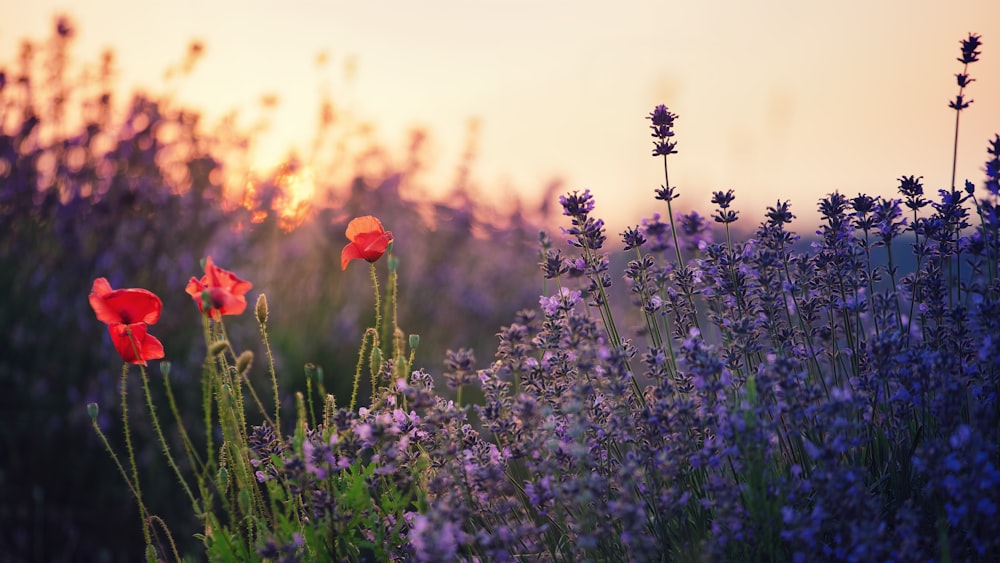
(139, 190)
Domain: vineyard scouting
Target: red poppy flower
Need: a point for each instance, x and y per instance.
(369, 240)
(128, 311)
(147, 345)
(226, 291)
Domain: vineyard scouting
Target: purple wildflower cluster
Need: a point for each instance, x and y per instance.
(779, 401)
(354, 479)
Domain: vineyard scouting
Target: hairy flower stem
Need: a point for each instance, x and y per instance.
(207, 389)
(369, 334)
(163, 440)
(143, 513)
(274, 377)
(193, 458)
(378, 304)
(137, 489)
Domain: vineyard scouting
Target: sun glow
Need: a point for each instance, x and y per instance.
(287, 194)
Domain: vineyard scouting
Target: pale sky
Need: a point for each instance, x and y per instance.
(776, 99)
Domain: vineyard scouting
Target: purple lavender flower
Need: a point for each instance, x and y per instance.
(662, 124)
(577, 205)
(657, 232)
(724, 215)
(633, 238)
(970, 46)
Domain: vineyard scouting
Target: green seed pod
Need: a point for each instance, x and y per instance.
(414, 341)
(165, 368)
(92, 410)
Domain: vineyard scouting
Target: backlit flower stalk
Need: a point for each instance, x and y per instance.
(970, 54)
(369, 241)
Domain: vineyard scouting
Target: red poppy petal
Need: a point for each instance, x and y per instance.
(124, 305)
(194, 288)
(134, 305)
(152, 348)
(105, 313)
(372, 245)
(101, 287)
(226, 303)
(233, 283)
(350, 252)
(123, 344)
(221, 277)
(364, 224)
(147, 345)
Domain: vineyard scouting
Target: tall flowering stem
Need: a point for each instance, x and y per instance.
(136, 487)
(970, 54)
(662, 124)
(368, 241)
(588, 235)
(376, 338)
(261, 312)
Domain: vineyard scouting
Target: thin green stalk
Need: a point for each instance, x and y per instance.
(131, 453)
(128, 482)
(193, 458)
(378, 299)
(262, 321)
(670, 211)
(170, 537)
(207, 388)
(954, 146)
(256, 399)
(361, 360)
(163, 440)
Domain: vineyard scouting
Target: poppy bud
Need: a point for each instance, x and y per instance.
(165, 369)
(92, 410)
(414, 341)
(261, 309)
(218, 347)
(243, 362)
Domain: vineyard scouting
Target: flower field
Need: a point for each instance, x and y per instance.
(689, 390)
